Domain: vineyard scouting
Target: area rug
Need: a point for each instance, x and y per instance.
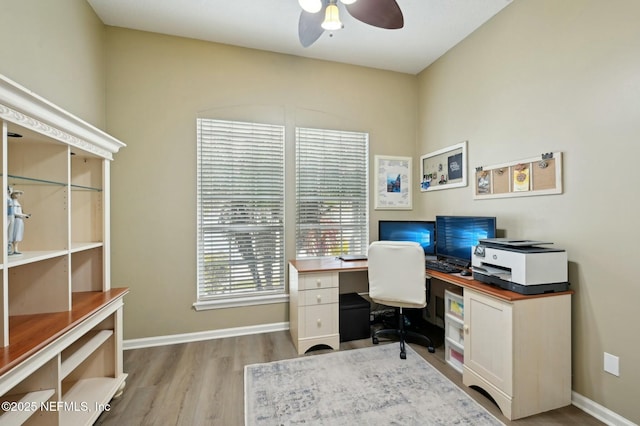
(370, 386)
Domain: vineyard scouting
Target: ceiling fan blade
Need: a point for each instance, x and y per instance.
(379, 13)
(310, 25)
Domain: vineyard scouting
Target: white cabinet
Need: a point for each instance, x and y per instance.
(519, 351)
(313, 309)
(60, 320)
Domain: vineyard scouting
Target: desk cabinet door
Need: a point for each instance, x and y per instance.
(488, 339)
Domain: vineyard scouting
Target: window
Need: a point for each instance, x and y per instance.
(331, 192)
(240, 211)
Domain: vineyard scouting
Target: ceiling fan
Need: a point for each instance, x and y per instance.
(313, 22)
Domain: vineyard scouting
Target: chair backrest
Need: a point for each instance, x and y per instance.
(397, 273)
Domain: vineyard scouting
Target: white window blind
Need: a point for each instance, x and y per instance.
(240, 209)
(331, 192)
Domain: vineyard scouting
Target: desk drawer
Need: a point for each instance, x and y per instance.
(319, 320)
(319, 296)
(317, 280)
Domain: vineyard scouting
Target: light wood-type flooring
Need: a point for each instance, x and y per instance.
(201, 383)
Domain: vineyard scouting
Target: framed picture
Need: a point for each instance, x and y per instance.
(393, 183)
(444, 169)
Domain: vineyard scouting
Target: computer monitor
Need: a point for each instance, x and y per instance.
(420, 231)
(457, 234)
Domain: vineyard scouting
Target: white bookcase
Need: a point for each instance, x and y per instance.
(60, 319)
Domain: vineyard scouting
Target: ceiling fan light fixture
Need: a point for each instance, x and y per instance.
(332, 18)
(348, 1)
(311, 6)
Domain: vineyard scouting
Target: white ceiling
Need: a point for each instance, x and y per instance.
(431, 27)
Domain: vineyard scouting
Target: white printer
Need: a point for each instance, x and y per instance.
(520, 265)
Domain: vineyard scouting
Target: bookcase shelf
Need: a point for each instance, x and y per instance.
(78, 352)
(91, 392)
(25, 406)
(34, 256)
(60, 319)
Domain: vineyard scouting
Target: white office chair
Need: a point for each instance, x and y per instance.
(397, 278)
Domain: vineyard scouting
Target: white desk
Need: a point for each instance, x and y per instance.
(516, 347)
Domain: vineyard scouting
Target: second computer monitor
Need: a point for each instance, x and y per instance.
(457, 234)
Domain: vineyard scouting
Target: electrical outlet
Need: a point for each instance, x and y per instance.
(612, 364)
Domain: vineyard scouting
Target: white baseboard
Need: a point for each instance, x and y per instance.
(148, 342)
(598, 411)
(588, 406)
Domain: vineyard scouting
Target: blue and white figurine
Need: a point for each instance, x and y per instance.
(16, 224)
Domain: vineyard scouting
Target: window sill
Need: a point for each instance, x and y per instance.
(206, 305)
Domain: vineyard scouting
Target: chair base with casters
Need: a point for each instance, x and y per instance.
(404, 336)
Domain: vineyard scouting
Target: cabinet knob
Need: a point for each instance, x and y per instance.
(466, 329)
(319, 283)
(319, 322)
(319, 298)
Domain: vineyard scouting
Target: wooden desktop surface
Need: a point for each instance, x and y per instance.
(328, 264)
(30, 333)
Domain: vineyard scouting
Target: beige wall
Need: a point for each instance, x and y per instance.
(157, 87)
(544, 76)
(56, 49)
